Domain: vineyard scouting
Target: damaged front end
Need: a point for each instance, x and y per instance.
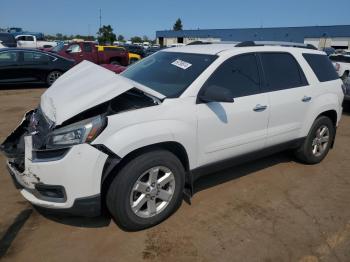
(35, 125)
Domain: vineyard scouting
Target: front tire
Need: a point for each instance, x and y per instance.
(146, 191)
(318, 142)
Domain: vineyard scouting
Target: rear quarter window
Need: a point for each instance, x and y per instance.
(322, 66)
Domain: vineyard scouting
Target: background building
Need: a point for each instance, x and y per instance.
(337, 36)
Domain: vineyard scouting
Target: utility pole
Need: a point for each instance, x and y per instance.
(100, 18)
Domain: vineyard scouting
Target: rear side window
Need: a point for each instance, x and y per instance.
(322, 67)
(31, 57)
(238, 74)
(87, 47)
(282, 71)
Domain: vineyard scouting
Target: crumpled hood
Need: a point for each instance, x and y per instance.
(84, 86)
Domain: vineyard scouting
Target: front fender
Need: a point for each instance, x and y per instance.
(131, 138)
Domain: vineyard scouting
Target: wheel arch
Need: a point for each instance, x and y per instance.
(172, 146)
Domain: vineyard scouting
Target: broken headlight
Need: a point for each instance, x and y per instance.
(81, 132)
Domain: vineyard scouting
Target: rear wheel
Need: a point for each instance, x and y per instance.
(146, 191)
(115, 62)
(318, 142)
(52, 77)
(345, 76)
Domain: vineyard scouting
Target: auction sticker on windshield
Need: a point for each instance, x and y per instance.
(181, 64)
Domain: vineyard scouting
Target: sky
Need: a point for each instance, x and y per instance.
(131, 18)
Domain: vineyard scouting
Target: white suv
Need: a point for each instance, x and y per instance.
(134, 143)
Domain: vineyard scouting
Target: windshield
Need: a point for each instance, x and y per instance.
(169, 73)
(58, 47)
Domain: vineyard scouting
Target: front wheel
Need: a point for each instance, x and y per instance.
(147, 190)
(318, 142)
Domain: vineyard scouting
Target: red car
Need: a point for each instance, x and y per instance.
(79, 51)
(115, 68)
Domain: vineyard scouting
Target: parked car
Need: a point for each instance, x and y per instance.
(132, 57)
(114, 68)
(79, 51)
(329, 50)
(7, 40)
(137, 141)
(31, 66)
(342, 65)
(31, 41)
(152, 50)
(136, 49)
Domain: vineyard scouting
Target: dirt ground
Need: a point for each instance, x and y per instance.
(273, 209)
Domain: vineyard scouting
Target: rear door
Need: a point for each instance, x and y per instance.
(34, 66)
(290, 96)
(226, 130)
(8, 66)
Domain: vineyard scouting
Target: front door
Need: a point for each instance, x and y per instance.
(226, 130)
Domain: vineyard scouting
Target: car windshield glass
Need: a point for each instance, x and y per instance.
(58, 47)
(169, 73)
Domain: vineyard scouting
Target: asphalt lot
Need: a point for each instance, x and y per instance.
(273, 209)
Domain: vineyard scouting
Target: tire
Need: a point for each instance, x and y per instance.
(52, 77)
(315, 149)
(115, 62)
(125, 192)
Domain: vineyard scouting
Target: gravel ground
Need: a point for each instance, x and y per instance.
(273, 209)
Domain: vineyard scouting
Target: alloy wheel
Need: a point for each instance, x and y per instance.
(152, 192)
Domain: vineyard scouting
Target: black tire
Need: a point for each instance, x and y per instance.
(305, 152)
(115, 62)
(52, 77)
(118, 199)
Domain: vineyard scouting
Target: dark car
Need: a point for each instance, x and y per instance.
(8, 40)
(136, 49)
(31, 66)
(152, 50)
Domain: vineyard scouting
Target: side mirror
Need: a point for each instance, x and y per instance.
(216, 94)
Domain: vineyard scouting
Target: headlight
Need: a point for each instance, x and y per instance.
(81, 132)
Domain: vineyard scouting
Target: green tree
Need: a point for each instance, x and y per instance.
(178, 25)
(106, 35)
(145, 38)
(136, 39)
(121, 38)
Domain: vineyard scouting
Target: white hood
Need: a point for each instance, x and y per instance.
(84, 86)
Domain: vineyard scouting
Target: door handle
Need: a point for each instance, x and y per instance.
(259, 108)
(306, 99)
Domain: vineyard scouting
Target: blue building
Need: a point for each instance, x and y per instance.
(337, 36)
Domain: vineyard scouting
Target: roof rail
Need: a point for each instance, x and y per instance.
(275, 43)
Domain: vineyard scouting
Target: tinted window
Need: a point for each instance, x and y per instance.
(282, 71)
(8, 57)
(169, 73)
(322, 67)
(239, 74)
(32, 57)
(339, 58)
(87, 47)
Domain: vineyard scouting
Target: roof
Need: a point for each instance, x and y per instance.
(289, 34)
(213, 49)
(201, 49)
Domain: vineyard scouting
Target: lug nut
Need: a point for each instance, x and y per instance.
(153, 184)
(148, 189)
